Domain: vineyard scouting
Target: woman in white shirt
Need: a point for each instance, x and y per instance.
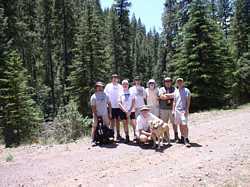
(127, 106)
(153, 97)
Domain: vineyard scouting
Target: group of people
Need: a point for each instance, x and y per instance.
(138, 106)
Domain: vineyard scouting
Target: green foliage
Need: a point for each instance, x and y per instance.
(19, 114)
(69, 125)
(200, 59)
(89, 63)
(63, 47)
(241, 41)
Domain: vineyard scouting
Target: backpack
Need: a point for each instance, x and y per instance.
(103, 133)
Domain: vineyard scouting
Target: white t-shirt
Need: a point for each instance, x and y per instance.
(113, 91)
(140, 94)
(143, 123)
(126, 99)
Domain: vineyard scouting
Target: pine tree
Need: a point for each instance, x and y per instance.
(89, 63)
(28, 46)
(200, 59)
(65, 29)
(172, 22)
(241, 41)
(123, 38)
(48, 90)
(19, 115)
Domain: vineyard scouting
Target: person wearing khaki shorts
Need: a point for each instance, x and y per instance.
(166, 105)
(99, 102)
(181, 105)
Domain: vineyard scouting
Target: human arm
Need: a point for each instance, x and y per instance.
(145, 133)
(109, 109)
(188, 104)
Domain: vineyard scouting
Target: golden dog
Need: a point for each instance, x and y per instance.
(160, 131)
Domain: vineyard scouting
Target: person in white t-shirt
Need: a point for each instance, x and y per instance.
(153, 97)
(139, 93)
(127, 106)
(143, 130)
(113, 91)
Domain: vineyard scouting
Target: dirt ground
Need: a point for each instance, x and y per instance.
(219, 156)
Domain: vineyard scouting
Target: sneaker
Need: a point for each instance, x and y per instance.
(127, 139)
(186, 143)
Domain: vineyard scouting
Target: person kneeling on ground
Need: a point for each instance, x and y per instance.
(99, 102)
(143, 130)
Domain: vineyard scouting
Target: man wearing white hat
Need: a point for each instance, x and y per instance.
(143, 131)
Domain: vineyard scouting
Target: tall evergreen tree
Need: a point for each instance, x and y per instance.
(19, 115)
(241, 40)
(65, 29)
(48, 64)
(200, 60)
(171, 22)
(123, 38)
(89, 64)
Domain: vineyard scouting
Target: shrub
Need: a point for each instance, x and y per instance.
(69, 125)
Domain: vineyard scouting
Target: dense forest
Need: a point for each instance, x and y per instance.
(53, 51)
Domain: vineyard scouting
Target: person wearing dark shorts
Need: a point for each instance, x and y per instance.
(116, 113)
(113, 91)
(127, 106)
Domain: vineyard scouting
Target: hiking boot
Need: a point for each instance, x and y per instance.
(93, 143)
(118, 137)
(127, 139)
(176, 138)
(186, 143)
(181, 140)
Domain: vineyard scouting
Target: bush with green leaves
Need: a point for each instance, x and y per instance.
(69, 125)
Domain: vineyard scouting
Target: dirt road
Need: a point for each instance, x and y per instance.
(219, 156)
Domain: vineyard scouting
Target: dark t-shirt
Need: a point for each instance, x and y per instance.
(166, 104)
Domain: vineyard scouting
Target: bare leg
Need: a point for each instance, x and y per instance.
(125, 125)
(117, 122)
(93, 132)
(185, 131)
(133, 123)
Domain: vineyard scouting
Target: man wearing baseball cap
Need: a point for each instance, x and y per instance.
(166, 104)
(99, 102)
(113, 90)
(181, 105)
